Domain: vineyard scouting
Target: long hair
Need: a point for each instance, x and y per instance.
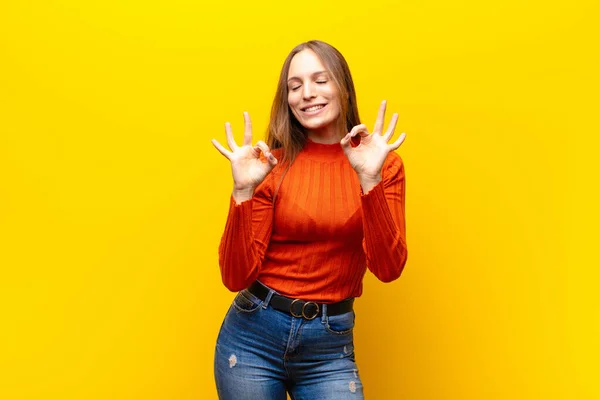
(285, 132)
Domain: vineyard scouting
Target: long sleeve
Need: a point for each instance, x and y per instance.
(383, 216)
(246, 237)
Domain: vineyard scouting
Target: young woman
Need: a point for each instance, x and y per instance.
(312, 208)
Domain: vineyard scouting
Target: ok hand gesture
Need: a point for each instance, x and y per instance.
(246, 165)
(368, 157)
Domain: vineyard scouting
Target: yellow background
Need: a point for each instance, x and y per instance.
(112, 199)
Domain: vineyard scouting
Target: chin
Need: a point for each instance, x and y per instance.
(315, 126)
(318, 123)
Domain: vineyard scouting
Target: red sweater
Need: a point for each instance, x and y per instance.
(318, 239)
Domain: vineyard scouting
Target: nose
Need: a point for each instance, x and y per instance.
(308, 90)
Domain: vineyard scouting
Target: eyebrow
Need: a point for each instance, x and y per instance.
(312, 75)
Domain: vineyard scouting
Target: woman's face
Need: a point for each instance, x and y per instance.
(312, 95)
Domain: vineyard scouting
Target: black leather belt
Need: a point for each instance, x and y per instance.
(300, 308)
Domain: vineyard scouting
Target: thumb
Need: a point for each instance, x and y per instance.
(346, 143)
(272, 160)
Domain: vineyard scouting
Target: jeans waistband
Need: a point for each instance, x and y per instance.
(300, 308)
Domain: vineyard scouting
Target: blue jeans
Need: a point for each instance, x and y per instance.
(262, 353)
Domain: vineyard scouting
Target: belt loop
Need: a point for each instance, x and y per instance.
(268, 299)
(323, 313)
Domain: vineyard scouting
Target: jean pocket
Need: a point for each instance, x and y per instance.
(340, 324)
(246, 302)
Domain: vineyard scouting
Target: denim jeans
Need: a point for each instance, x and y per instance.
(262, 353)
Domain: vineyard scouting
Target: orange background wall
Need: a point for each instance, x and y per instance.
(112, 199)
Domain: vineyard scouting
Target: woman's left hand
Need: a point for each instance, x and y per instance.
(368, 157)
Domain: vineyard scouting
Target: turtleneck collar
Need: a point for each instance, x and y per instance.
(321, 151)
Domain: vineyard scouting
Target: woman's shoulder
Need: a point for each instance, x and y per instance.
(267, 185)
(393, 159)
(393, 167)
(277, 153)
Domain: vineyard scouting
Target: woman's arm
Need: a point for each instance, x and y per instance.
(381, 175)
(246, 237)
(249, 223)
(384, 225)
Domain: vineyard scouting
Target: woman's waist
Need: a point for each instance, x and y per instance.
(323, 286)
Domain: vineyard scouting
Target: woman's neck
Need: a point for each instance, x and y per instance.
(325, 135)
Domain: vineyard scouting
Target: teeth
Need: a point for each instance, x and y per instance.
(314, 108)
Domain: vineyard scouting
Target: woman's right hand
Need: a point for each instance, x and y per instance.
(248, 169)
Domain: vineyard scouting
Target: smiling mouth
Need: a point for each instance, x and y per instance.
(316, 107)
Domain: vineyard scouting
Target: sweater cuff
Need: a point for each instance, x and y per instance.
(240, 219)
(233, 204)
(378, 187)
(376, 210)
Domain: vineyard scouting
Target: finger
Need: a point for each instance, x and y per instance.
(221, 149)
(261, 146)
(359, 129)
(390, 131)
(247, 130)
(346, 143)
(272, 160)
(398, 142)
(380, 118)
(230, 139)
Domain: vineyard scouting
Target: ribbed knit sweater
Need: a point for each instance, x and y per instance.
(322, 232)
